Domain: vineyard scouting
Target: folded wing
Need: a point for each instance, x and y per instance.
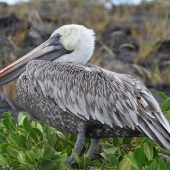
(94, 94)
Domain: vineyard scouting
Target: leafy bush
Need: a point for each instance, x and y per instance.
(26, 145)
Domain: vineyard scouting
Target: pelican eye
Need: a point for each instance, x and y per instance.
(55, 37)
(54, 40)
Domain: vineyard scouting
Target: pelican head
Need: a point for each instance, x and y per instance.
(69, 43)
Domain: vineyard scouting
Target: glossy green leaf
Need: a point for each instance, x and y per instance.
(26, 124)
(30, 156)
(60, 162)
(167, 114)
(166, 105)
(84, 162)
(21, 157)
(3, 147)
(161, 164)
(125, 164)
(19, 140)
(134, 164)
(15, 164)
(13, 150)
(38, 152)
(139, 155)
(21, 117)
(8, 122)
(48, 164)
(148, 150)
(113, 159)
(76, 156)
(36, 135)
(2, 137)
(39, 126)
(49, 152)
(110, 150)
(24, 164)
(163, 95)
(3, 161)
(52, 140)
(152, 165)
(168, 163)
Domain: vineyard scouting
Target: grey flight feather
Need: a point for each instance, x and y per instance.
(94, 94)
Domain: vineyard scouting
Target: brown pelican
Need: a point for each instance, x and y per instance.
(84, 99)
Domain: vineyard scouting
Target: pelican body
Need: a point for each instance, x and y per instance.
(68, 92)
(57, 86)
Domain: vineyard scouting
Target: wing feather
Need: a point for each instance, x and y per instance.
(92, 93)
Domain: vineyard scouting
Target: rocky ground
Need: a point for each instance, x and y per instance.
(131, 40)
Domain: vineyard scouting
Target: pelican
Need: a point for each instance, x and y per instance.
(57, 85)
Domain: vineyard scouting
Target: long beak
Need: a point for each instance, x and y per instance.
(49, 50)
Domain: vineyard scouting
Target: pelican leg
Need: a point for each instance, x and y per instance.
(93, 145)
(78, 145)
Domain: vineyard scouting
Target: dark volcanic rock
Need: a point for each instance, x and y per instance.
(7, 105)
(19, 36)
(118, 49)
(162, 87)
(8, 21)
(119, 39)
(158, 63)
(160, 55)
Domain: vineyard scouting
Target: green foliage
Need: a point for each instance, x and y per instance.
(25, 145)
(33, 145)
